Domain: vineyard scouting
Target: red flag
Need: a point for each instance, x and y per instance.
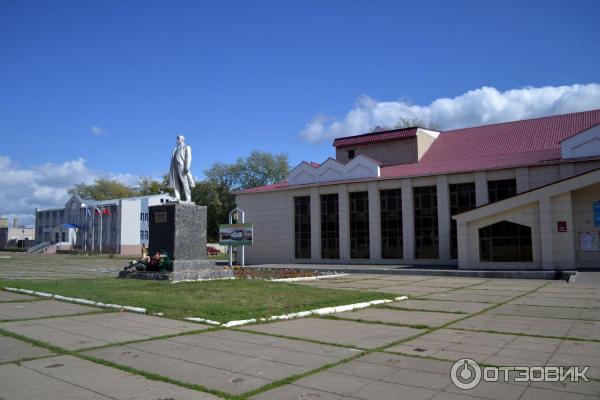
(105, 211)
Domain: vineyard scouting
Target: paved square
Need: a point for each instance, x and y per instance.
(385, 376)
(68, 377)
(42, 308)
(533, 300)
(347, 333)
(504, 349)
(74, 333)
(12, 349)
(439, 305)
(478, 296)
(229, 361)
(11, 296)
(550, 312)
(403, 317)
(553, 327)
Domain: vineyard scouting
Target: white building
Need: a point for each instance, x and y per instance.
(117, 226)
(518, 195)
(16, 235)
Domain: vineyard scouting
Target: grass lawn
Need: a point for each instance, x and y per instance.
(223, 300)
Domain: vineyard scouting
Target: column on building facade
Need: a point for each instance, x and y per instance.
(567, 240)
(522, 176)
(374, 221)
(546, 233)
(408, 226)
(481, 190)
(463, 248)
(315, 224)
(344, 222)
(443, 209)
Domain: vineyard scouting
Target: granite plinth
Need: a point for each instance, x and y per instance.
(179, 229)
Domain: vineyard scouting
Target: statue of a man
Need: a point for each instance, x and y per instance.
(180, 176)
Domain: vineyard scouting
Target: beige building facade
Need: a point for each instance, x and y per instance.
(440, 207)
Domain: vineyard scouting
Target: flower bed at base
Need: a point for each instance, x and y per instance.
(274, 273)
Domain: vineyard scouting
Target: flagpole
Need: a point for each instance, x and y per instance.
(93, 229)
(85, 232)
(101, 230)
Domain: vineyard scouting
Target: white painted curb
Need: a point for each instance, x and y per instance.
(307, 278)
(206, 321)
(204, 280)
(58, 297)
(318, 311)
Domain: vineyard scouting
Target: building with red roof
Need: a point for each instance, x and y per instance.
(406, 195)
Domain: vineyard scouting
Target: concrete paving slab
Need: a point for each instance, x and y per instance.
(11, 296)
(532, 300)
(551, 312)
(450, 283)
(472, 296)
(67, 377)
(58, 266)
(229, 361)
(525, 283)
(403, 317)
(347, 333)
(437, 305)
(293, 392)
(482, 347)
(554, 327)
(387, 376)
(80, 332)
(566, 294)
(413, 291)
(12, 349)
(42, 308)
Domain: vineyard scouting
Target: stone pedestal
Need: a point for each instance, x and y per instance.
(179, 229)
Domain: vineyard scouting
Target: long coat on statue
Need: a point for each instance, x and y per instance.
(180, 177)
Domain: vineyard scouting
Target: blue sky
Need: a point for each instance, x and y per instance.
(104, 87)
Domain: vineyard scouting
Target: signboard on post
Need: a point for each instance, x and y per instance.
(235, 234)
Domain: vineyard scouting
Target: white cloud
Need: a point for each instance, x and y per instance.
(97, 131)
(481, 106)
(44, 186)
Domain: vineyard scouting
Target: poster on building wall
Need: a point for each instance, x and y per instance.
(596, 212)
(589, 241)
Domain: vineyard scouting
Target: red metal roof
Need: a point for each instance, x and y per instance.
(375, 137)
(506, 145)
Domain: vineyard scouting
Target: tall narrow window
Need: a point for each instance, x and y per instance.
(462, 198)
(302, 227)
(500, 190)
(351, 154)
(505, 241)
(391, 223)
(359, 225)
(330, 233)
(426, 222)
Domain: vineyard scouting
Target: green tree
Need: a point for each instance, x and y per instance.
(102, 189)
(411, 122)
(216, 192)
(219, 201)
(148, 186)
(258, 169)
